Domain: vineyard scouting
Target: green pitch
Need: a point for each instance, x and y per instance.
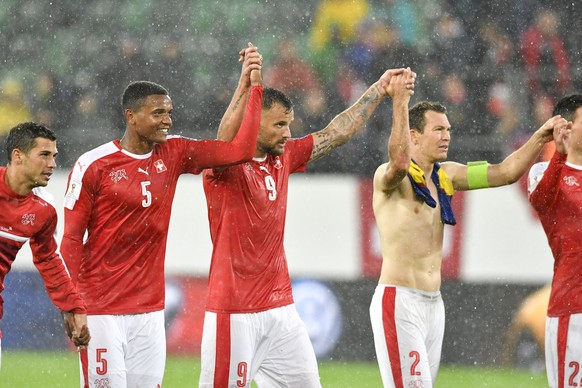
(55, 370)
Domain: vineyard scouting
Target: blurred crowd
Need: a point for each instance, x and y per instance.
(497, 66)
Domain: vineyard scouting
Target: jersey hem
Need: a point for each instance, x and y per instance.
(123, 311)
(248, 311)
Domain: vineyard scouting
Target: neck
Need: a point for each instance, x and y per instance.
(135, 146)
(16, 185)
(259, 154)
(424, 165)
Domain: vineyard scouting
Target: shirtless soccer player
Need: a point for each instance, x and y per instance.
(412, 204)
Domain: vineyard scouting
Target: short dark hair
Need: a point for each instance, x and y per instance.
(567, 106)
(273, 96)
(136, 92)
(416, 116)
(23, 137)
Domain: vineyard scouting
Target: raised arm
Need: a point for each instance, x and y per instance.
(389, 175)
(512, 167)
(217, 153)
(543, 186)
(232, 119)
(345, 125)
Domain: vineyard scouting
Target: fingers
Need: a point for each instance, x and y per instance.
(80, 333)
(246, 51)
(82, 340)
(410, 79)
(393, 79)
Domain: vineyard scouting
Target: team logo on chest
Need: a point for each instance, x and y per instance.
(277, 164)
(28, 219)
(118, 175)
(160, 166)
(571, 181)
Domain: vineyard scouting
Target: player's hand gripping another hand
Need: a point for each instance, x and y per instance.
(77, 329)
(561, 136)
(384, 83)
(252, 60)
(550, 128)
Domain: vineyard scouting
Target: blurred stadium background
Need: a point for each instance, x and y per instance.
(498, 66)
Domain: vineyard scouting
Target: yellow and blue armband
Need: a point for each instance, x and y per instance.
(477, 175)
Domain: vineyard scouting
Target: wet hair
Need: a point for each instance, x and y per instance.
(274, 96)
(23, 137)
(567, 106)
(416, 116)
(136, 93)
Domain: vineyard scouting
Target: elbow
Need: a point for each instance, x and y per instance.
(243, 156)
(401, 163)
(247, 153)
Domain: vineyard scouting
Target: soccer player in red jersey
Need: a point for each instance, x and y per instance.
(120, 194)
(556, 194)
(28, 215)
(251, 328)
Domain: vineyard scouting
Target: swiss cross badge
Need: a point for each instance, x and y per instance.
(28, 219)
(160, 166)
(277, 163)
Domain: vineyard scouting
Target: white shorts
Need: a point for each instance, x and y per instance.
(125, 351)
(564, 350)
(272, 347)
(408, 328)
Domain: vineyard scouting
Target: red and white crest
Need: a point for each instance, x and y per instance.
(160, 166)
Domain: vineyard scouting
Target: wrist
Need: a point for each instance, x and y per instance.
(378, 88)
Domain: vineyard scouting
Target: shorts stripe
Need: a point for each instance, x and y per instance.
(83, 355)
(389, 321)
(563, 324)
(222, 362)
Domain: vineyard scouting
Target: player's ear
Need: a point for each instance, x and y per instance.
(414, 134)
(129, 116)
(17, 156)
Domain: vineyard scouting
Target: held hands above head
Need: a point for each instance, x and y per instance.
(561, 137)
(555, 126)
(76, 329)
(386, 82)
(252, 60)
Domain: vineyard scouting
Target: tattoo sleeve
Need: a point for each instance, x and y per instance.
(345, 125)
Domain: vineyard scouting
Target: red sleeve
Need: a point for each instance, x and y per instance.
(545, 193)
(76, 221)
(301, 153)
(58, 284)
(216, 153)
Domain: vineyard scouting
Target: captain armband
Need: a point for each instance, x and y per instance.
(477, 175)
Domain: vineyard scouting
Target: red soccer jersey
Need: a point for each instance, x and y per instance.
(123, 201)
(247, 206)
(33, 218)
(557, 198)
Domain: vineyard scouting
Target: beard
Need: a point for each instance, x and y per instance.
(275, 151)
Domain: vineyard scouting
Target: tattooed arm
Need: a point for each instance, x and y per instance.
(345, 125)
